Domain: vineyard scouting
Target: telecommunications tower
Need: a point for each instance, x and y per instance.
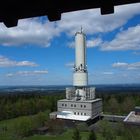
(80, 103)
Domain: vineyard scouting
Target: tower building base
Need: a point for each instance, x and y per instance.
(79, 110)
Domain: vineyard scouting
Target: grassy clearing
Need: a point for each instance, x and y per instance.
(7, 133)
(8, 127)
(65, 136)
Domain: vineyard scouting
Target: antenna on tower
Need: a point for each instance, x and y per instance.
(81, 29)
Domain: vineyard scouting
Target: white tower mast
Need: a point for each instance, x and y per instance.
(80, 76)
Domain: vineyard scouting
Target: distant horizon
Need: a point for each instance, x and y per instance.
(72, 85)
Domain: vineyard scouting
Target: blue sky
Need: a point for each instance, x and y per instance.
(39, 52)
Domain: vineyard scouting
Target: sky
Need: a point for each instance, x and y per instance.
(40, 52)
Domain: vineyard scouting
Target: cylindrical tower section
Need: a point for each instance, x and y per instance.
(80, 79)
(80, 50)
(80, 76)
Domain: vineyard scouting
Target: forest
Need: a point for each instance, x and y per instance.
(16, 105)
(22, 114)
(12, 106)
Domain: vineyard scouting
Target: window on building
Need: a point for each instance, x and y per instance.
(85, 114)
(81, 105)
(71, 105)
(74, 113)
(62, 104)
(65, 104)
(74, 105)
(84, 106)
(78, 113)
(81, 113)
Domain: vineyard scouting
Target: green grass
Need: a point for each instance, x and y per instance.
(65, 136)
(10, 124)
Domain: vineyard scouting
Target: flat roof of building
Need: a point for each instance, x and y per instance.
(132, 118)
(70, 116)
(79, 101)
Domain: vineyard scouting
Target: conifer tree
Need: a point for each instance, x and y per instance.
(92, 136)
(76, 134)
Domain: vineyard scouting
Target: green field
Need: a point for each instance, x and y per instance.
(9, 133)
(11, 127)
(9, 124)
(65, 136)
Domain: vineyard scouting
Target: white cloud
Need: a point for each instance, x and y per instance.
(6, 62)
(9, 74)
(120, 64)
(28, 31)
(129, 66)
(27, 73)
(89, 43)
(94, 42)
(118, 77)
(136, 53)
(33, 31)
(71, 44)
(125, 40)
(108, 73)
(92, 22)
(70, 64)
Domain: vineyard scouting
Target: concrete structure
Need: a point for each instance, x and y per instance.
(53, 115)
(113, 118)
(80, 103)
(133, 117)
(79, 110)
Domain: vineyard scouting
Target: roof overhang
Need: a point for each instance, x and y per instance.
(11, 11)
